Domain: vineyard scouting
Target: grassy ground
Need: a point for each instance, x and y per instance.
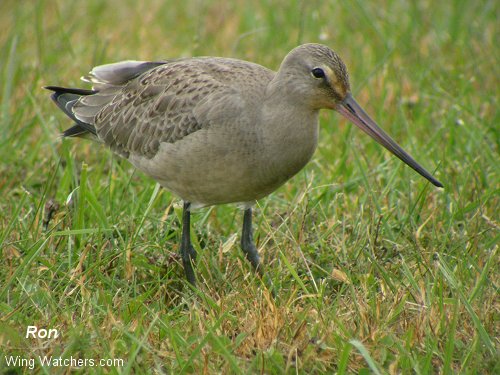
(376, 270)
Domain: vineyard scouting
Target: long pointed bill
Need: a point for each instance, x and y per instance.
(350, 109)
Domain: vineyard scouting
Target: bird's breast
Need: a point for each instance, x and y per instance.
(289, 139)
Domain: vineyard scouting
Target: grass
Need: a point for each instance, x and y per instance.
(376, 270)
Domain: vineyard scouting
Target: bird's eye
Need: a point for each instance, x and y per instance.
(318, 73)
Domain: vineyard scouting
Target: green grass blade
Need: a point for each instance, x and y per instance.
(448, 274)
(366, 355)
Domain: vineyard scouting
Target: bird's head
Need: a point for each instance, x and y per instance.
(318, 76)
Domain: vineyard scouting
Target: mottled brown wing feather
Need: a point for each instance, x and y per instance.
(166, 103)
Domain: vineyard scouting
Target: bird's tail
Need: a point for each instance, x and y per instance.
(65, 99)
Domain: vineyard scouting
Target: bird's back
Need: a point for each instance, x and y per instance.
(139, 105)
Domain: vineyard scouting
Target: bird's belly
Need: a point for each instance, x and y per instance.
(207, 171)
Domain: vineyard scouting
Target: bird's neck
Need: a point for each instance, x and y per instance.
(290, 134)
(287, 116)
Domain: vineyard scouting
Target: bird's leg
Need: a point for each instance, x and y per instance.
(188, 253)
(247, 244)
(248, 247)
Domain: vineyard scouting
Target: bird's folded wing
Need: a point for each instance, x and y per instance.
(139, 105)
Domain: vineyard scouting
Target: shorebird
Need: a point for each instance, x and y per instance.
(217, 130)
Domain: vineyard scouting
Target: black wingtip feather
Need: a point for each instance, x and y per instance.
(68, 90)
(75, 131)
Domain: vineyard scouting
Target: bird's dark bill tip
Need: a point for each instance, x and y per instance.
(436, 183)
